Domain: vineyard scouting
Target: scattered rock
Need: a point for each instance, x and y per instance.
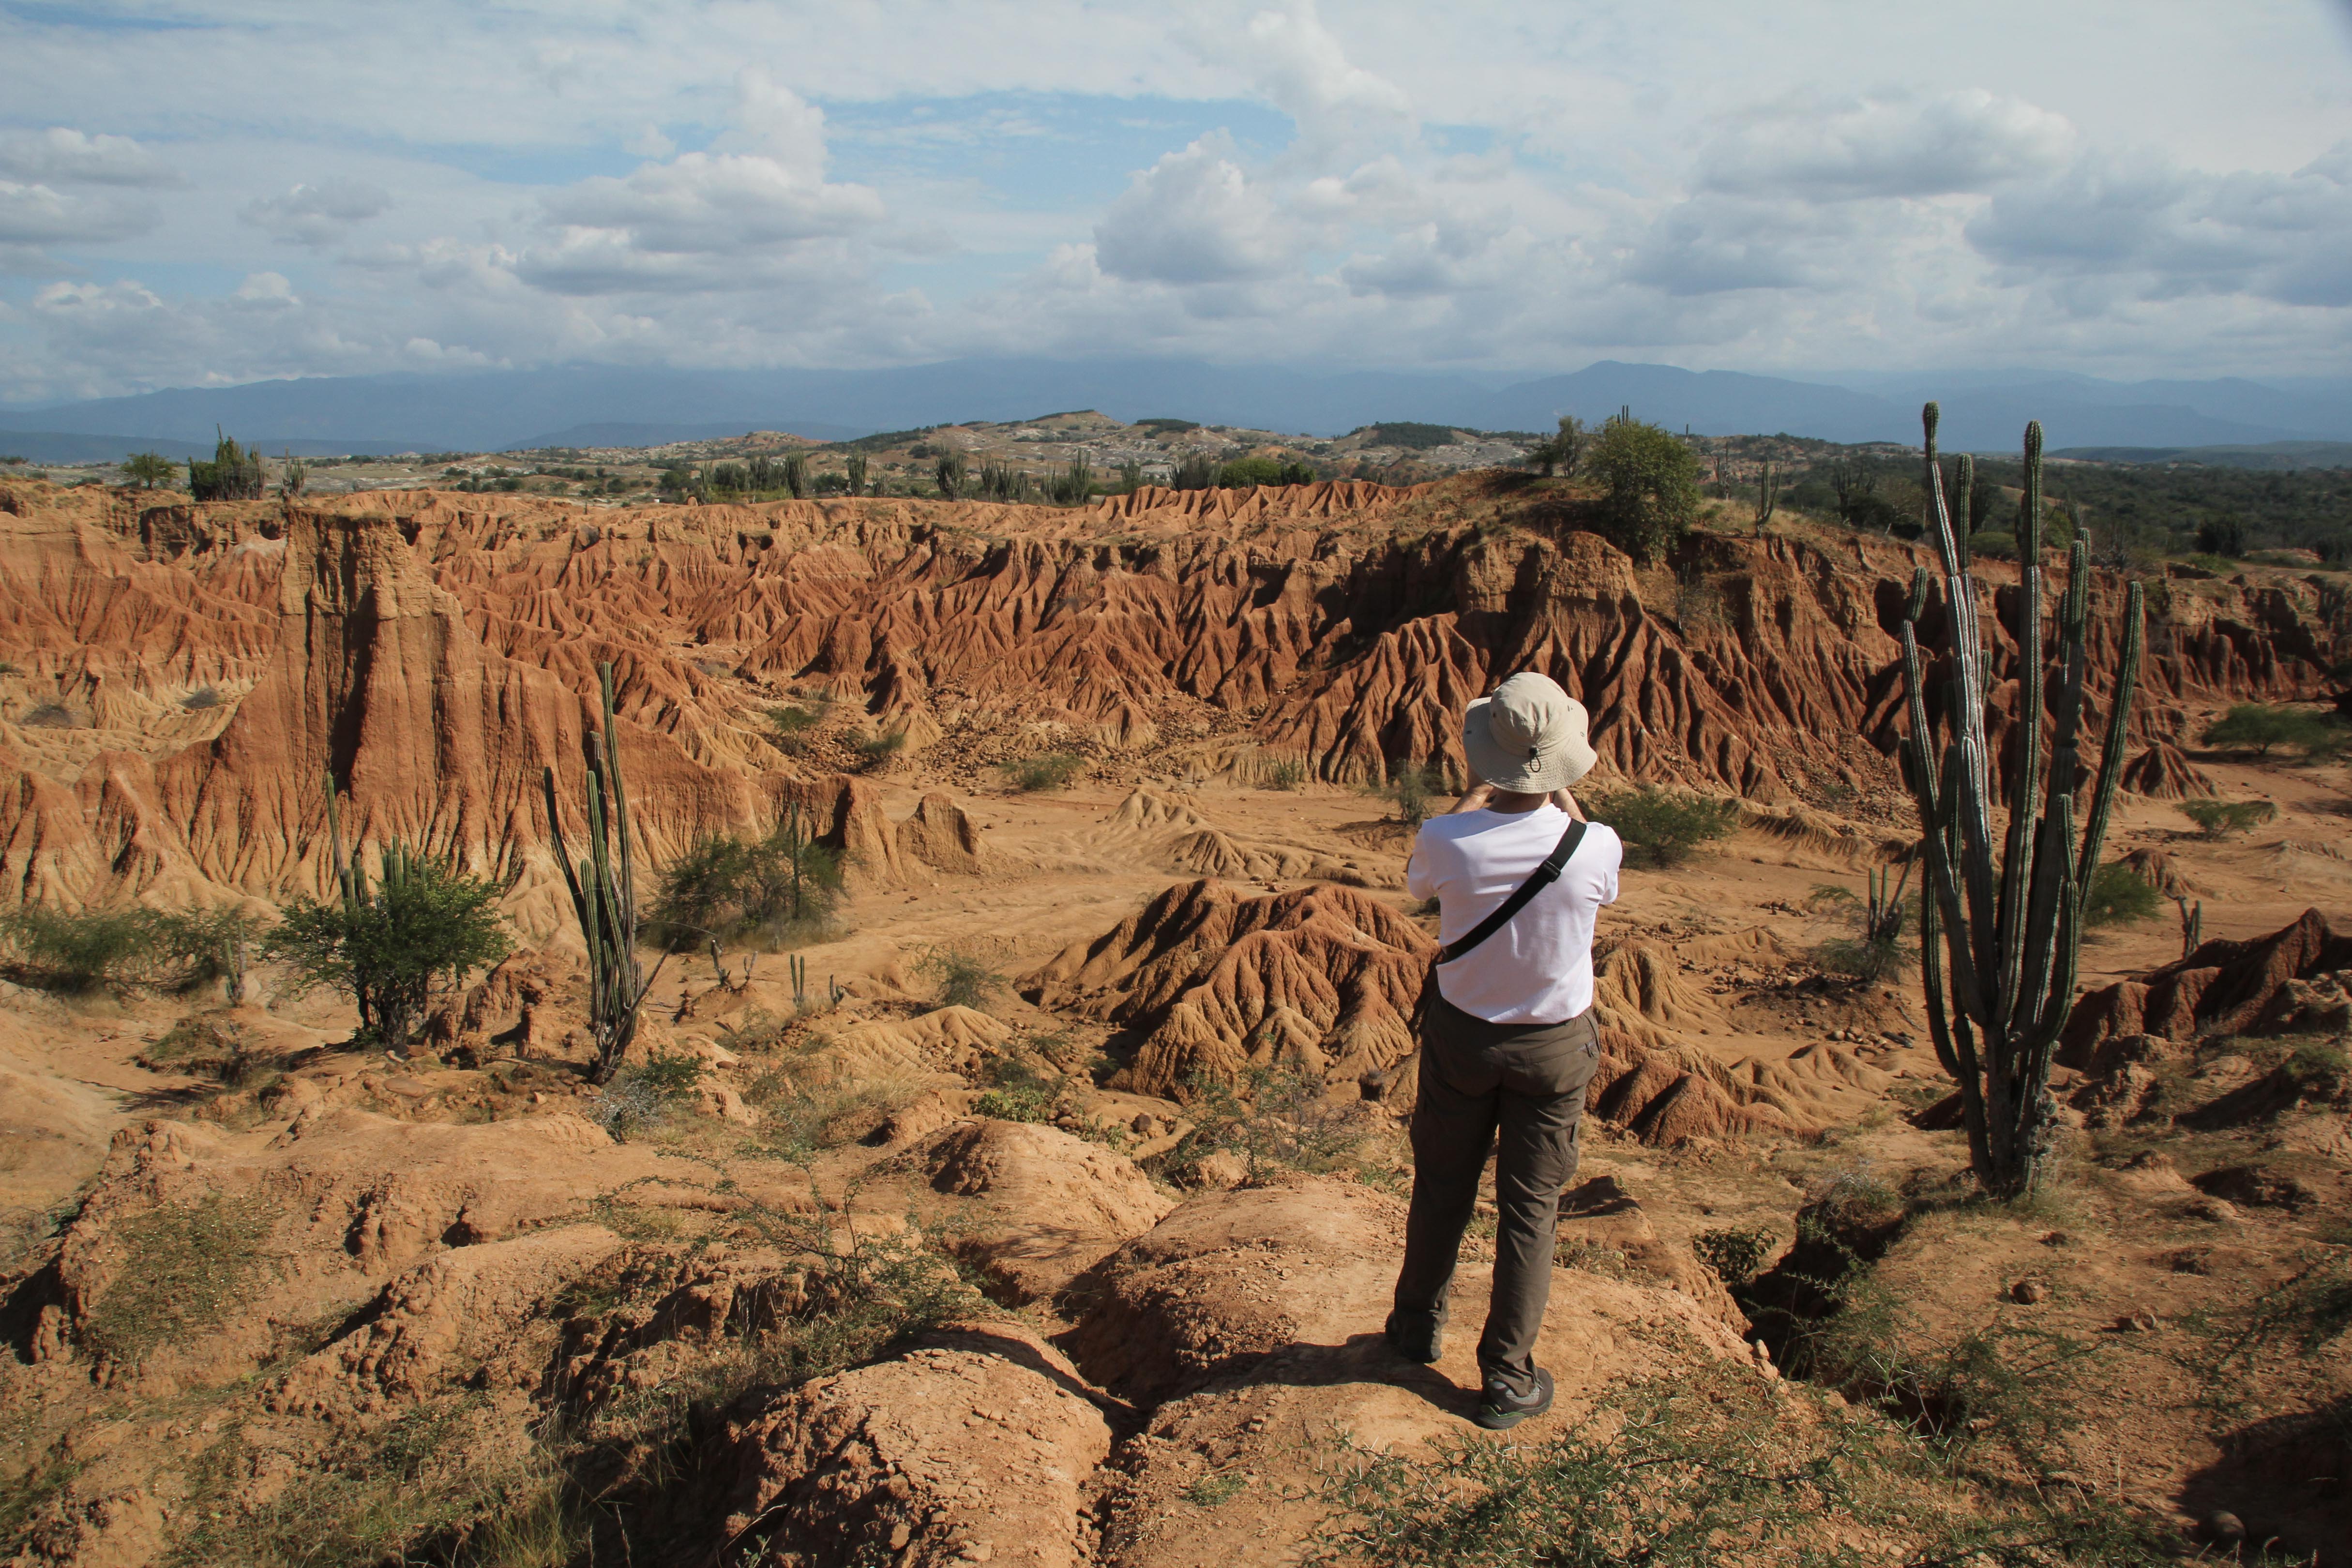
(2030, 1291)
(2223, 1528)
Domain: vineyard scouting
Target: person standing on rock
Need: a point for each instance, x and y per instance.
(1508, 1039)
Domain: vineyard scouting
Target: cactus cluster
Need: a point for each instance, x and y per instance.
(2001, 917)
(603, 889)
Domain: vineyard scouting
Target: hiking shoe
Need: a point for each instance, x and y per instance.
(1498, 1407)
(1417, 1340)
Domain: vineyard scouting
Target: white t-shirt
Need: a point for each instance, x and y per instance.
(1538, 968)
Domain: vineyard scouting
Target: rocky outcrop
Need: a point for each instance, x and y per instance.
(435, 651)
(2264, 984)
(1321, 979)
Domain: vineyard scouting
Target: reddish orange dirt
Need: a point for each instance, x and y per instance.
(448, 1302)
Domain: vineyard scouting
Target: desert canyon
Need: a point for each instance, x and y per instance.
(1087, 1263)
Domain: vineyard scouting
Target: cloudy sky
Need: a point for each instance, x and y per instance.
(199, 192)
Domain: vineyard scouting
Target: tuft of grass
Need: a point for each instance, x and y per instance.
(1663, 827)
(2220, 819)
(1708, 1469)
(1412, 788)
(1214, 1489)
(187, 1268)
(1286, 773)
(1053, 770)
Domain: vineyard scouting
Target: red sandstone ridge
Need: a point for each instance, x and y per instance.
(2255, 987)
(435, 650)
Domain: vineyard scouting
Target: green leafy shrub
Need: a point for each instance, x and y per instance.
(777, 888)
(2120, 896)
(2257, 727)
(794, 725)
(1053, 770)
(1663, 827)
(83, 950)
(1286, 773)
(643, 1096)
(2220, 819)
(1651, 481)
(1021, 1093)
(877, 751)
(424, 925)
(1736, 1255)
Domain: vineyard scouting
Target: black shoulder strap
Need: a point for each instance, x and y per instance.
(1542, 877)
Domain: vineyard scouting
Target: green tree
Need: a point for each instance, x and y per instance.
(1560, 451)
(148, 469)
(1663, 827)
(2257, 727)
(387, 945)
(729, 888)
(233, 474)
(1652, 480)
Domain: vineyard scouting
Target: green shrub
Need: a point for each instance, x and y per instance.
(51, 716)
(84, 950)
(234, 474)
(965, 977)
(1053, 770)
(1286, 773)
(1274, 1117)
(876, 750)
(1868, 958)
(2257, 727)
(2220, 819)
(1412, 788)
(1736, 1255)
(1663, 827)
(2119, 895)
(1651, 479)
(424, 925)
(1993, 546)
(1020, 1093)
(775, 888)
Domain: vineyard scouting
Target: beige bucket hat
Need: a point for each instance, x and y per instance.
(1528, 736)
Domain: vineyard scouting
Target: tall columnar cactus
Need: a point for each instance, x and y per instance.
(2002, 926)
(604, 897)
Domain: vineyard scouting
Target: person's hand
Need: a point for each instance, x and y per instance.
(1567, 802)
(1474, 798)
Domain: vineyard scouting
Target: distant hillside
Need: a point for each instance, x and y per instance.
(2275, 455)
(595, 405)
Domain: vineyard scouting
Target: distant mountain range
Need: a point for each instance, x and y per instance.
(606, 405)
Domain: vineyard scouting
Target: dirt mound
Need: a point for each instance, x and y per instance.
(2163, 772)
(2162, 871)
(1254, 1317)
(1322, 978)
(1168, 828)
(971, 1446)
(939, 835)
(2223, 988)
(1638, 989)
(1055, 1204)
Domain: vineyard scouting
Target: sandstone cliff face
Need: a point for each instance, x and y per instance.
(435, 652)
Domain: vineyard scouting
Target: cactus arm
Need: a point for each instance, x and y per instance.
(1941, 883)
(1968, 752)
(2016, 860)
(628, 882)
(2111, 752)
(1967, 483)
